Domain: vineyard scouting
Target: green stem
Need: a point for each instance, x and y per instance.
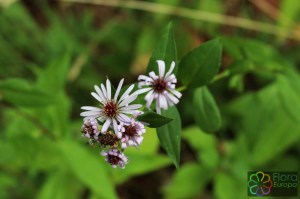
(219, 76)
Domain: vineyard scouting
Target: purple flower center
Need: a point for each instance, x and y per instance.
(130, 131)
(108, 139)
(88, 129)
(159, 85)
(110, 109)
(113, 160)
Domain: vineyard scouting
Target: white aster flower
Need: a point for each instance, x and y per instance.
(115, 158)
(131, 134)
(90, 130)
(111, 111)
(160, 87)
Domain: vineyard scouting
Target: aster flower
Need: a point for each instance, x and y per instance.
(108, 139)
(111, 111)
(160, 87)
(131, 134)
(90, 129)
(115, 158)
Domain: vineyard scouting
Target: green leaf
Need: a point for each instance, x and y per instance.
(195, 178)
(289, 95)
(53, 78)
(204, 144)
(140, 164)
(60, 185)
(21, 93)
(206, 111)
(153, 119)
(169, 135)
(89, 169)
(198, 67)
(165, 50)
(227, 186)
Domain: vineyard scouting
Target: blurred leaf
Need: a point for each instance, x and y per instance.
(153, 119)
(140, 164)
(53, 78)
(206, 111)
(289, 11)
(258, 124)
(228, 187)
(188, 182)
(169, 135)
(59, 185)
(241, 66)
(165, 50)
(204, 144)
(198, 67)
(21, 93)
(88, 169)
(289, 94)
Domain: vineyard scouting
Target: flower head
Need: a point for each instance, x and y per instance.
(90, 129)
(108, 139)
(160, 87)
(111, 111)
(115, 158)
(131, 134)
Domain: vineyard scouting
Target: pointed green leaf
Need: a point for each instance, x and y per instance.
(89, 169)
(199, 66)
(169, 135)
(164, 50)
(206, 111)
(153, 119)
(22, 93)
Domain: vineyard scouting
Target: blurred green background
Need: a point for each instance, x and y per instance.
(53, 52)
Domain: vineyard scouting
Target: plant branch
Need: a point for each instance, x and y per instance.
(197, 15)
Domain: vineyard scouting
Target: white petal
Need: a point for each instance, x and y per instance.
(163, 102)
(115, 125)
(149, 98)
(90, 108)
(161, 68)
(142, 77)
(172, 98)
(99, 93)
(106, 125)
(176, 93)
(108, 87)
(89, 113)
(126, 92)
(128, 100)
(143, 90)
(104, 91)
(118, 89)
(157, 108)
(97, 97)
(153, 76)
(123, 118)
(131, 107)
(171, 69)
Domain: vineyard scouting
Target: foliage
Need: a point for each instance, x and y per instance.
(239, 110)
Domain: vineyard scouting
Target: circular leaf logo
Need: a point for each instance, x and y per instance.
(260, 184)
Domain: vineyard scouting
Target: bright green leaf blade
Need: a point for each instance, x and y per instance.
(228, 186)
(140, 164)
(194, 177)
(198, 67)
(164, 50)
(206, 111)
(21, 93)
(153, 119)
(88, 169)
(169, 135)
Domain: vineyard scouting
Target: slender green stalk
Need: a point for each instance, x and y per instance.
(197, 15)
